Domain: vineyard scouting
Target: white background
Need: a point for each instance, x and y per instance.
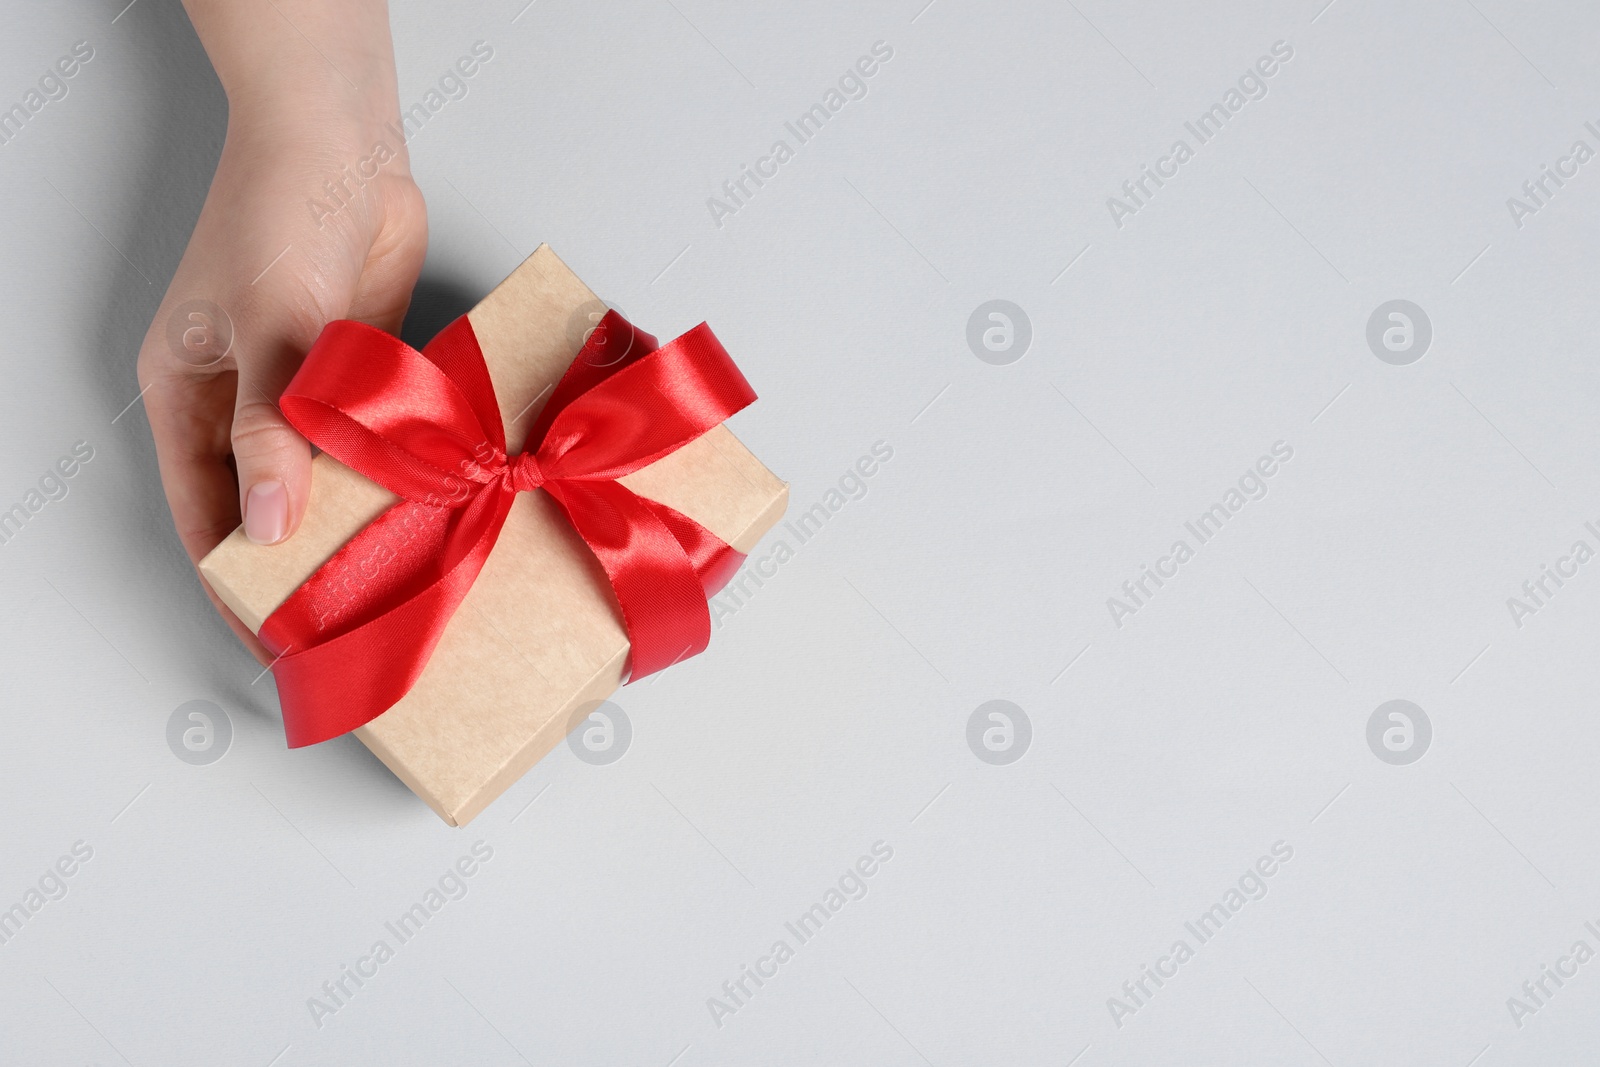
(1167, 755)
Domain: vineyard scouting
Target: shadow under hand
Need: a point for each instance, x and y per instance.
(435, 303)
(166, 171)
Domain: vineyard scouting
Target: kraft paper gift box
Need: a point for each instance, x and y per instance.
(539, 636)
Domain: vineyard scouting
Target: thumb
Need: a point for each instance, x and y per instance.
(272, 460)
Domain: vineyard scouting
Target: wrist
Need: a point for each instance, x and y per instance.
(304, 113)
(288, 64)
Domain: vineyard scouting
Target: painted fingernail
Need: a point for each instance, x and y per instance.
(266, 513)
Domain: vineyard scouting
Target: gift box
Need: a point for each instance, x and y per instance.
(539, 637)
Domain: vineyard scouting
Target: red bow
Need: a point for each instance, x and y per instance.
(426, 425)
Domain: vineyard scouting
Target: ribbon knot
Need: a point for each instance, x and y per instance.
(355, 637)
(523, 474)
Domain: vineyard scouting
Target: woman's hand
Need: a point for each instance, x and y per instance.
(312, 216)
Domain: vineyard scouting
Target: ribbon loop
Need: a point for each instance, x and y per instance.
(355, 637)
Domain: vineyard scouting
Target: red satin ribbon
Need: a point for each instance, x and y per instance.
(426, 425)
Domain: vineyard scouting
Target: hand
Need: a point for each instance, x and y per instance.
(312, 216)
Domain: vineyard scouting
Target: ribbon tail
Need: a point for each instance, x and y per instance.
(334, 687)
(658, 586)
(338, 668)
(715, 561)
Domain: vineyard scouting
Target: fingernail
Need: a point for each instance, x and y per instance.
(266, 513)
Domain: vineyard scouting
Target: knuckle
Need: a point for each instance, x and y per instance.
(407, 210)
(144, 369)
(258, 427)
(154, 362)
(190, 336)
